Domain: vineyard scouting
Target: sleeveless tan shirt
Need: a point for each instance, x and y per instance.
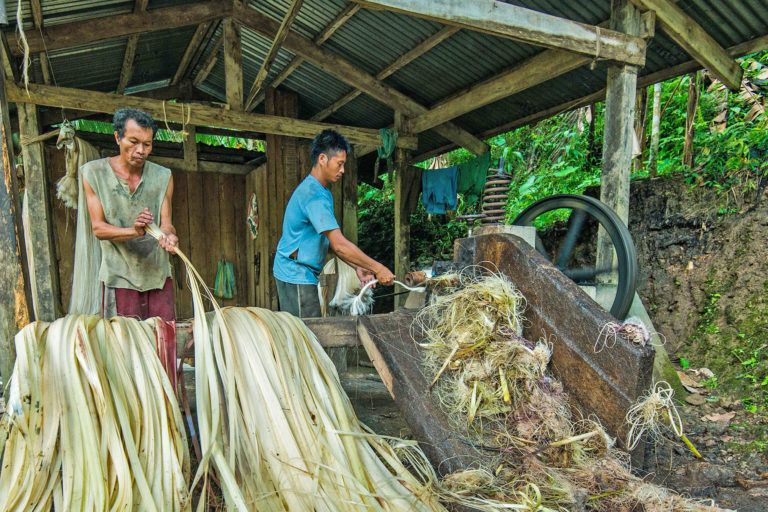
(138, 264)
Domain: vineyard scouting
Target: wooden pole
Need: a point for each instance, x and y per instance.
(640, 118)
(653, 156)
(402, 212)
(40, 249)
(690, 117)
(14, 294)
(233, 64)
(618, 140)
(349, 199)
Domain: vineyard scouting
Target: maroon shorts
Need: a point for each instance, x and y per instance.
(150, 304)
(143, 305)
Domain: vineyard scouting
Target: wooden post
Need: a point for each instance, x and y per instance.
(349, 198)
(190, 148)
(690, 117)
(233, 64)
(14, 295)
(640, 118)
(402, 212)
(653, 155)
(282, 176)
(42, 256)
(618, 140)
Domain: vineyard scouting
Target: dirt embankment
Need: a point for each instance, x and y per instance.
(703, 260)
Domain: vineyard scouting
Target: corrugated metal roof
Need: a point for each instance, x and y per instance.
(372, 40)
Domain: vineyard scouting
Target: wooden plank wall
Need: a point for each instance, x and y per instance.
(209, 213)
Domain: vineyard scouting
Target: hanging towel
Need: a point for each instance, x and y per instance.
(471, 177)
(225, 286)
(439, 189)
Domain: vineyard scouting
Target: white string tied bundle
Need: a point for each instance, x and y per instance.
(360, 307)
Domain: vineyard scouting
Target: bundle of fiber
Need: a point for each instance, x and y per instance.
(92, 421)
(538, 451)
(277, 426)
(348, 287)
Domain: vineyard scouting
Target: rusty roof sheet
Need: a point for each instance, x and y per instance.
(372, 40)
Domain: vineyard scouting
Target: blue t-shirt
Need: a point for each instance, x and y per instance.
(309, 213)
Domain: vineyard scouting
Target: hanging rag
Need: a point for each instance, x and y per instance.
(439, 189)
(471, 178)
(225, 286)
(388, 142)
(253, 217)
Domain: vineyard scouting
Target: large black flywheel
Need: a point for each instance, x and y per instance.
(572, 249)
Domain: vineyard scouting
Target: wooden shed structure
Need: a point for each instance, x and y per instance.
(443, 73)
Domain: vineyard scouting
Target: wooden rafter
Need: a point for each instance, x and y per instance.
(79, 99)
(296, 61)
(695, 40)
(739, 50)
(37, 18)
(99, 29)
(193, 47)
(233, 63)
(411, 55)
(535, 70)
(209, 63)
(282, 32)
(514, 22)
(358, 78)
(126, 72)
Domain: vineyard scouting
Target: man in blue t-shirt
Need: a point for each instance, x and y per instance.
(309, 227)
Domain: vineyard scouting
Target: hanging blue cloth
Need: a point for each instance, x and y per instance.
(439, 189)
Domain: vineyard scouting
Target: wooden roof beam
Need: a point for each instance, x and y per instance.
(544, 66)
(282, 32)
(332, 63)
(233, 63)
(209, 63)
(80, 33)
(752, 46)
(79, 99)
(520, 24)
(408, 57)
(695, 40)
(37, 18)
(126, 72)
(296, 61)
(193, 46)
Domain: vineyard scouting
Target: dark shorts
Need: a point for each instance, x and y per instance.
(150, 304)
(300, 300)
(143, 305)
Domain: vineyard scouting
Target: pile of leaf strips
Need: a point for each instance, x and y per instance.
(94, 424)
(495, 387)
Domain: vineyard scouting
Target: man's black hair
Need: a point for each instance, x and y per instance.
(328, 142)
(142, 119)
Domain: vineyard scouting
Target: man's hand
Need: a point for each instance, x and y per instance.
(142, 220)
(169, 242)
(365, 276)
(385, 276)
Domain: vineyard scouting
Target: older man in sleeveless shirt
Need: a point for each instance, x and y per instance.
(125, 193)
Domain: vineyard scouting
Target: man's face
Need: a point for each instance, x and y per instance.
(136, 143)
(333, 167)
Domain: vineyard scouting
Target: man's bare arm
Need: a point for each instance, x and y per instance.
(352, 254)
(106, 231)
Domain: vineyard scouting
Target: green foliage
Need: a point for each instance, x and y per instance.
(165, 135)
(431, 239)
